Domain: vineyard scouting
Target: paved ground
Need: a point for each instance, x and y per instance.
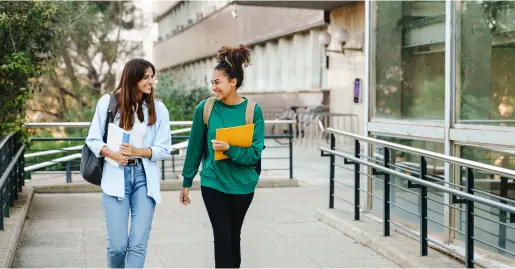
(67, 230)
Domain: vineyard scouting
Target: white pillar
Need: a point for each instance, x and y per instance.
(284, 63)
(260, 68)
(298, 60)
(271, 66)
(314, 61)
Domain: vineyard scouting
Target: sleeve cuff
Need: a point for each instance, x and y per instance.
(152, 154)
(158, 154)
(231, 151)
(187, 182)
(97, 148)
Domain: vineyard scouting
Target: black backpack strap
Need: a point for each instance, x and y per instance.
(111, 112)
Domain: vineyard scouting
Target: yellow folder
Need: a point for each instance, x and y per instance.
(239, 136)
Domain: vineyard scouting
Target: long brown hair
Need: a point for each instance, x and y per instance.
(126, 92)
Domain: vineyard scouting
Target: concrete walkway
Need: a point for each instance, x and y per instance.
(67, 230)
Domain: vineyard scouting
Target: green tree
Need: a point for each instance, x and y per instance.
(27, 29)
(88, 51)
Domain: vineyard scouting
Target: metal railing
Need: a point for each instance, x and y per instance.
(11, 168)
(460, 196)
(306, 128)
(179, 140)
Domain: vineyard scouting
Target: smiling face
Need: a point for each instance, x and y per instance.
(145, 84)
(221, 85)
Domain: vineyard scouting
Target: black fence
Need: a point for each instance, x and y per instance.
(11, 177)
(465, 200)
(60, 159)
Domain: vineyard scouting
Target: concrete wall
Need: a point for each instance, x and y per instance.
(232, 25)
(162, 7)
(289, 71)
(290, 64)
(344, 68)
(184, 14)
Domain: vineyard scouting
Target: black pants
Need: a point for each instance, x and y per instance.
(226, 213)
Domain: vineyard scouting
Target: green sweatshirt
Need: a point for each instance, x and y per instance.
(234, 175)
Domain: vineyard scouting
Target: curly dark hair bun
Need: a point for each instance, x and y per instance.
(232, 60)
(235, 56)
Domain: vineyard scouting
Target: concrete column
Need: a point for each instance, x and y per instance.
(180, 11)
(173, 21)
(206, 77)
(298, 48)
(388, 59)
(284, 51)
(185, 13)
(476, 63)
(211, 63)
(187, 81)
(260, 68)
(270, 65)
(249, 80)
(195, 8)
(199, 74)
(314, 61)
(323, 69)
(194, 75)
(292, 56)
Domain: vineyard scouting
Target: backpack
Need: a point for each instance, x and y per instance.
(249, 119)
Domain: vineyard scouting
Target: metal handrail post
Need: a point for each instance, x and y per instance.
(469, 241)
(386, 178)
(162, 170)
(68, 172)
(502, 214)
(357, 152)
(331, 173)
(290, 138)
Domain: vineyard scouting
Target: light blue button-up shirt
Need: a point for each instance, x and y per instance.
(157, 137)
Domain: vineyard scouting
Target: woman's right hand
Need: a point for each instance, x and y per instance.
(119, 158)
(116, 156)
(183, 198)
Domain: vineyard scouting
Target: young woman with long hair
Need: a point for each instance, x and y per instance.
(133, 187)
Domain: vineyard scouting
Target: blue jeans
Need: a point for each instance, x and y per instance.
(126, 249)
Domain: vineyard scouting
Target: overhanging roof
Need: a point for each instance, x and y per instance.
(322, 5)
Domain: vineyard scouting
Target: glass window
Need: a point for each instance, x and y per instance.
(408, 46)
(491, 187)
(408, 199)
(486, 57)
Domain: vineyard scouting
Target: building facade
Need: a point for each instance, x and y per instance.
(435, 75)
(288, 67)
(439, 79)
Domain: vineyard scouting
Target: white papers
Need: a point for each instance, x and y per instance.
(114, 140)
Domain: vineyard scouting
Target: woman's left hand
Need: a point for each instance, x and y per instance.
(220, 146)
(126, 149)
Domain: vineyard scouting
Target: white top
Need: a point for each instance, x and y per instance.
(137, 133)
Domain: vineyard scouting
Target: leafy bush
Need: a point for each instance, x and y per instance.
(181, 102)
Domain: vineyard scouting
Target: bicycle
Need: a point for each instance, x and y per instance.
(296, 131)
